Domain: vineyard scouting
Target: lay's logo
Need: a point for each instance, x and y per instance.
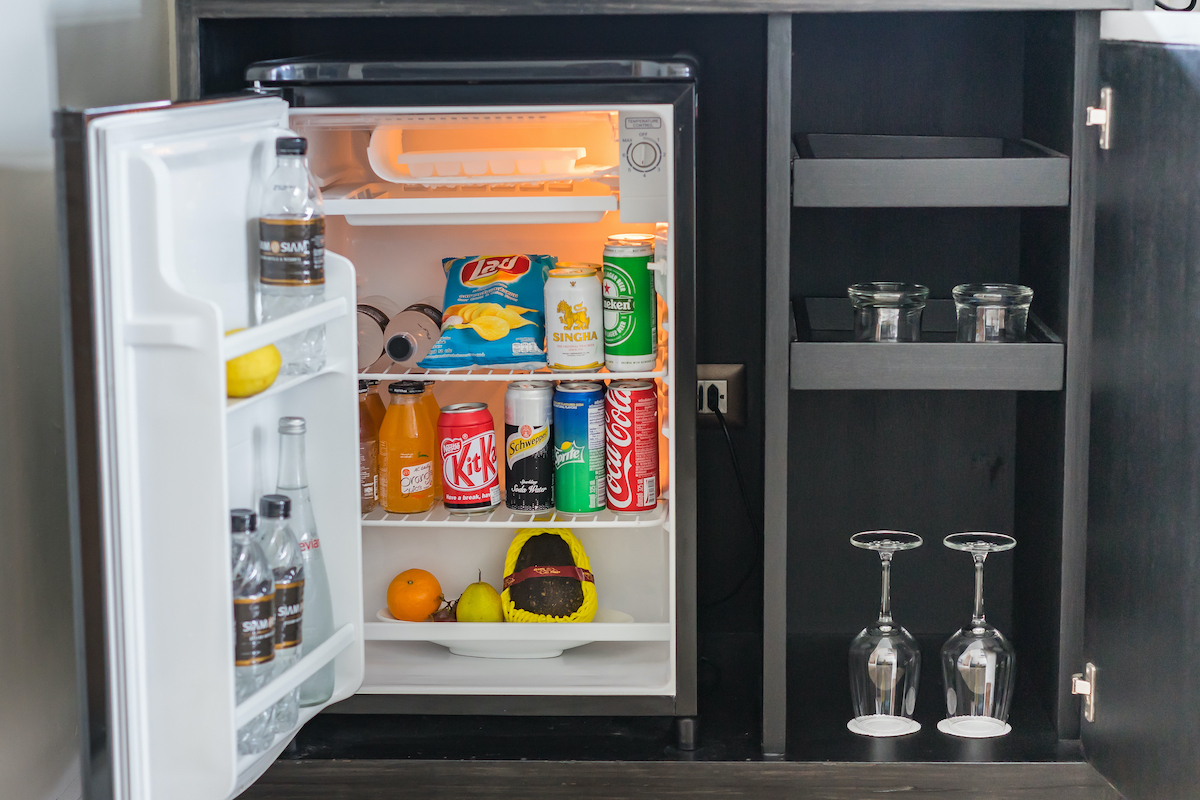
(489, 269)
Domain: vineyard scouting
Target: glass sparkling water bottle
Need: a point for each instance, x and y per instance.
(253, 627)
(318, 605)
(283, 554)
(291, 227)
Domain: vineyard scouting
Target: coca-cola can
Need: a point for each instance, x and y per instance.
(631, 446)
(466, 439)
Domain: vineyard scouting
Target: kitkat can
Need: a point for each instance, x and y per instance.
(574, 319)
(630, 303)
(631, 446)
(529, 446)
(579, 447)
(466, 439)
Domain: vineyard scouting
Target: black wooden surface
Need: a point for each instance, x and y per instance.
(482, 780)
(1143, 570)
(1061, 52)
(928, 462)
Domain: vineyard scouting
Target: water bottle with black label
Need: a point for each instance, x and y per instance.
(283, 554)
(291, 227)
(253, 627)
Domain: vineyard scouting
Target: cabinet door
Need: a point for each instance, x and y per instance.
(1143, 564)
(159, 206)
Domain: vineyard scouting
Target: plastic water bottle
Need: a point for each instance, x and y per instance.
(318, 605)
(291, 232)
(283, 554)
(253, 627)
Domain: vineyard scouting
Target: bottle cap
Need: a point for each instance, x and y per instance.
(363, 387)
(292, 425)
(406, 387)
(291, 146)
(400, 347)
(243, 520)
(275, 506)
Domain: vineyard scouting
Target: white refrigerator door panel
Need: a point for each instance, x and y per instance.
(172, 202)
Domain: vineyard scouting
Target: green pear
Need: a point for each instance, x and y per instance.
(480, 603)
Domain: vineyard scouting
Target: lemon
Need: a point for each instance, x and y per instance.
(253, 372)
(479, 603)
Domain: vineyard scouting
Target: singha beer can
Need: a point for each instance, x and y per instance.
(579, 447)
(466, 439)
(529, 446)
(574, 316)
(630, 303)
(631, 446)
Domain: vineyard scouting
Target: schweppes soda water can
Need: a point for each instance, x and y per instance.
(529, 446)
(630, 303)
(579, 447)
(574, 318)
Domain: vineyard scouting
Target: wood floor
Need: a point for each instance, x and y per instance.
(608, 780)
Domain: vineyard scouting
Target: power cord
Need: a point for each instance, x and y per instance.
(714, 398)
(1190, 6)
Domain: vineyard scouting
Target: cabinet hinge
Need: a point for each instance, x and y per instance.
(1102, 117)
(1084, 684)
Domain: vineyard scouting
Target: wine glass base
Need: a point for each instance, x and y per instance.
(882, 726)
(969, 727)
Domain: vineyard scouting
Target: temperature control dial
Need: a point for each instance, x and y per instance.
(644, 155)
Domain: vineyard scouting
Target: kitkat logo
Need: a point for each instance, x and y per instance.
(489, 269)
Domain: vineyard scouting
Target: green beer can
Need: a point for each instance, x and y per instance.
(579, 485)
(630, 303)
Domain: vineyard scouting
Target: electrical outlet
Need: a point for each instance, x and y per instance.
(730, 380)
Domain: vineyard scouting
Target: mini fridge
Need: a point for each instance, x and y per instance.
(159, 205)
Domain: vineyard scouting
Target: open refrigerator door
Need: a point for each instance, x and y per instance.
(160, 278)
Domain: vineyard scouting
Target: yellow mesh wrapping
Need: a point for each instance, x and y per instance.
(586, 611)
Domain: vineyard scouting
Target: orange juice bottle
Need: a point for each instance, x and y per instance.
(433, 411)
(406, 452)
(375, 407)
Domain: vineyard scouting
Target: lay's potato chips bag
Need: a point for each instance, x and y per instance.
(494, 313)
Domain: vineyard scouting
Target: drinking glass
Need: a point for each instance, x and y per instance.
(978, 663)
(885, 661)
(992, 312)
(885, 311)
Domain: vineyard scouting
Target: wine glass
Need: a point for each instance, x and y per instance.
(885, 661)
(978, 663)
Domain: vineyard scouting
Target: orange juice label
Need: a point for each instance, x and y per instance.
(417, 478)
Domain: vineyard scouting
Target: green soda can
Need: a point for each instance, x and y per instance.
(579, 486)
(630, 303)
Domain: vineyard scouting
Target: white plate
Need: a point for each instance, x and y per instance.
(883, 725)
(969, 727)
(509, 639)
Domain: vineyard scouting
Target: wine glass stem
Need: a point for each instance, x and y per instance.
(977, 616)
(885, 595)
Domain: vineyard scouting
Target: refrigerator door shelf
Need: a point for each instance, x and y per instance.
(248, 340)
(503, 517)
(170, 205)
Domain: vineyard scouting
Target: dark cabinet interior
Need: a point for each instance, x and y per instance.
(954, 449)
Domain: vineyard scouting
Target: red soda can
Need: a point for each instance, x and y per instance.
(466, 438)
(631, 446)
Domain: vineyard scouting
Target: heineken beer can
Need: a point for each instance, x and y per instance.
(630, 303)
(579, 447)
(574, 317)
(529, 446)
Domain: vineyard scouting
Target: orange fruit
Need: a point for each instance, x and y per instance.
(413, 595)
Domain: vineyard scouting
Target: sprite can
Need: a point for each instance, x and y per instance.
(630, 303)
(579, 447)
